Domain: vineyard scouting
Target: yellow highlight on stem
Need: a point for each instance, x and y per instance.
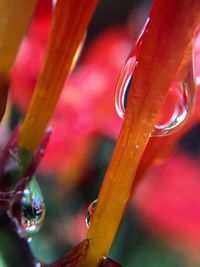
(70, 21)
(15, 16)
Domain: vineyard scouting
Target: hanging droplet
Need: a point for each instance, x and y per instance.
(90, 211)
(181, 95)
(123, 85)
(33, 208)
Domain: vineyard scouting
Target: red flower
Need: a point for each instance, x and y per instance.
(168, 200)
(23, 78)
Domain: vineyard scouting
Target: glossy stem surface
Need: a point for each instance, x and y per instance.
(70, 21)
(163, 45)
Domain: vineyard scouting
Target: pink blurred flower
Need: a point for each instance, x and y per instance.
(168, 201)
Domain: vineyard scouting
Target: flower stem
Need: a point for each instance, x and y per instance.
(163, 46)
(70, 21)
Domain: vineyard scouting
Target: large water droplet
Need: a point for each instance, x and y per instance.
(123, 85)
(182, 104)
(33, 208)
(178, 104)
(90, 211)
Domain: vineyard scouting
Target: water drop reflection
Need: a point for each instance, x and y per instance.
(90, 211)
(181, 97)
(33, 208)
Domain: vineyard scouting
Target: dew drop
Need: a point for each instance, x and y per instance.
(123, 86)
(33, 208)
(90, 211)
(180, 98)
(183, 96)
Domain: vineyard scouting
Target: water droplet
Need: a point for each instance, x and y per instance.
(180, 97)
(183, 96)
(123, 86)
(33, 208)
(90, 211)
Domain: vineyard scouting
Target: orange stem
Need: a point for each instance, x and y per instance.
(163, 46)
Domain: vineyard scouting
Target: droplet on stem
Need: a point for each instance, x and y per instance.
(123, 86)
(184, 100)
(90, 211)
(178, 104)
(33, 208)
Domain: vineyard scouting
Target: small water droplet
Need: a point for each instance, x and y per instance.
(90, 211)
(126, 76)
(181, 94)
(33, 208)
